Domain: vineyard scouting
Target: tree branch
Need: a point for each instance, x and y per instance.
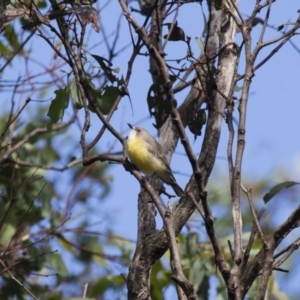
(178, 275)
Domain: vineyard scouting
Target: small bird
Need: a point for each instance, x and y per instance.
(147, 155)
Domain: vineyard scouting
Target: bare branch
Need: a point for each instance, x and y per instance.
(255, 217)
(251, 241)
(288, 251)
(178, 275)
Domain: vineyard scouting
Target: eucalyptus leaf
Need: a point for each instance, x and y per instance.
(75, 94)
(58, 106)
(277, 188)
(105, 98)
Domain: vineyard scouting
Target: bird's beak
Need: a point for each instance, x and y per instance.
(130, 125)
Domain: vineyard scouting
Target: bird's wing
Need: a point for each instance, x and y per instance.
(158, 152)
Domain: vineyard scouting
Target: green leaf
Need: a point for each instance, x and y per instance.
(191, 242)
(12, 38)
(75, 94)
(105, 98)
(277, 188)
(8, 232)
(58, 264)
(6, 52)
(274, 289)
(203, 288)
(45, 200)
(160, 279)
(58, 106)
(65, 244)
(100, 287)
(57, 296)
(40, 3)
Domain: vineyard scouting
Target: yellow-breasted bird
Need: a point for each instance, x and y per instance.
(147, 155)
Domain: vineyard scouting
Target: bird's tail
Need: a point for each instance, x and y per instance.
(177, 189)
(168, 178)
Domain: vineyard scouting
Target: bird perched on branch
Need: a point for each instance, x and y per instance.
(147, 155)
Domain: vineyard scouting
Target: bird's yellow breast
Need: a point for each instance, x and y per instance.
(144, 160)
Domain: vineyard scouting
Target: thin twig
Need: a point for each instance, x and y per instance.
(255, 218)
(15, 279)
(85, 287)
(178, 275)
(288, 252)
(251, 240)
